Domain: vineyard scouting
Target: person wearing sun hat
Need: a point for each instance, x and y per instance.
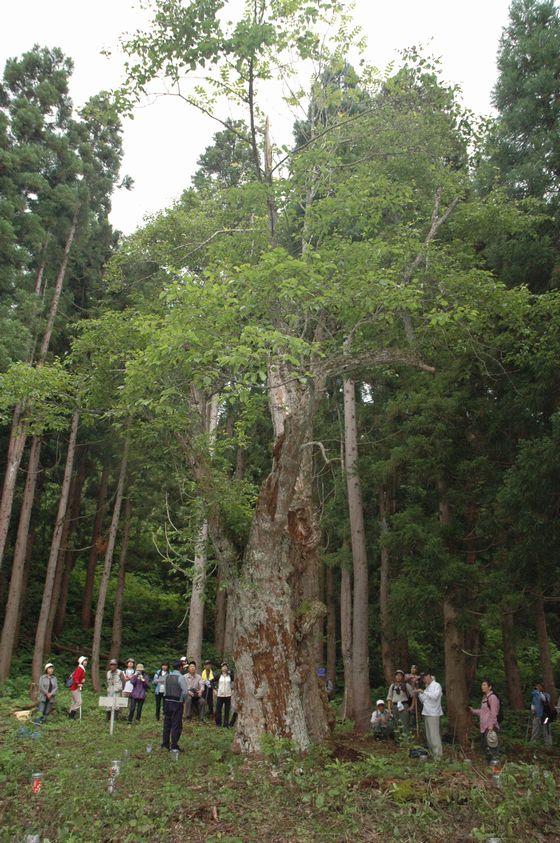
(78, 679)
(48, 687)
(381, 721)
(115, 683)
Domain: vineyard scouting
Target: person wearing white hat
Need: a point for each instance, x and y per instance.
(78, 679)
(48, 687)
(381, 721)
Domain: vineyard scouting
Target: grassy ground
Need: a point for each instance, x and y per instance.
(353, 789)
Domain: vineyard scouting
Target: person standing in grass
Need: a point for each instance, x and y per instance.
(48, 687)
(175, 693)
(399, 698)
(381, 722)
(140, 684)
(432, 711)
(208, 680)
(540, 706)
(488, 715)
(223, 703)
(78, 679)
(115, 683)
(195, 695)
(159, 682)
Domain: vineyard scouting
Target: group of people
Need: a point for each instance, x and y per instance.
(412, 694)
(198, 694)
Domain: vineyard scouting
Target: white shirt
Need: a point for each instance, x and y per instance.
(431, 700)
(224, 685)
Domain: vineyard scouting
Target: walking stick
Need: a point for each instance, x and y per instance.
(416, 717)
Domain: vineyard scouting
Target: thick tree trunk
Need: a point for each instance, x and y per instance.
(116, 637)
(72, 511)
(220, 620)
(26, 572)
(456, 691)
(209, 410)
(346, 642)
(360, 649)
(320, 625)
(511, 668)
(69, 555)
(544, 647)
(387, 656)
(331, 624)
(103, 585)
(196, 607)
(16, 446)
(37, 665)
(15, 593)
(95, 547)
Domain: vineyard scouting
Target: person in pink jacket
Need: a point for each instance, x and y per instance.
(488, 716)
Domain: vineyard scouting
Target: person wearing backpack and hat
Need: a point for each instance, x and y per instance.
(488, 714)
(175, 693)
(540, 707)
(140, 684)
(399, 697)
(48, 686)
(78, 679)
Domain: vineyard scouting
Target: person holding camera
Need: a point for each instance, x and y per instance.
(140, 684)
(399, 699)
(159, 682)
(195, 693)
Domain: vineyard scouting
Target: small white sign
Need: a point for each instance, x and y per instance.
(113, 702)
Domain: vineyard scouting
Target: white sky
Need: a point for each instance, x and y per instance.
(165, 139)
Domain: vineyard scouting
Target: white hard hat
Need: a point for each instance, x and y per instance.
(380, 702)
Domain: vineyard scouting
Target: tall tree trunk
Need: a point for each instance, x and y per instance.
(456, 691)
(37, 664)
(387, 655)
(116, 637)
(320, 625)
(220, 621)
(26, 572)
(71, 513)
(511, 668)
(331, 624)
(15, 593)
(228, 629)
(360, 649)
(346, 642)
(103, 585)
(209, 410)
(69, 555)
(95, 546)
(544, 647)
(18, 433)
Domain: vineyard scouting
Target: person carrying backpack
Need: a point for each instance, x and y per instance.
(488, 714)
(541, 710)
(76, 682)
(399, 698)
(175, 693)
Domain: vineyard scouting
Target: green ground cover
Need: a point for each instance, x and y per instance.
(353, 789)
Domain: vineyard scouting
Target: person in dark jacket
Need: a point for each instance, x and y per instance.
(140, 685)
(176, 690)
(159, 683)
(48, 687)
(540, 702)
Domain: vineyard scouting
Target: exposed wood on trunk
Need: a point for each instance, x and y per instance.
(544, 647)
(220, 619)
(511, 668)
(346, 642)
(331, 624)
(116, 636)
(104, 583)
(387, 655)
(37, 665)
(96, 542)
(21, 555)
(360, 649)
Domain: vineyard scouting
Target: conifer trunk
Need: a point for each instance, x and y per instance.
(220, 619)
(94, 549)
(37, 665)
(511, 668)
(360, 650)
(387, 656)
(331, 624)
(15, 592)
(544, 647)
(116, 636)
(346, 642)
(104, 583)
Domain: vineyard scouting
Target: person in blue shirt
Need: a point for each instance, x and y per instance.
(540, 700)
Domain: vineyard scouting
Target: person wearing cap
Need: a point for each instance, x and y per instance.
(140, 684)
(48, 687)
(540, 700)
(381, 721)
(175, 694)
(399, 698)
(432, 711)
(78, 679)
(488, 716)
(115, 681)
(184, 667)
(209, 680)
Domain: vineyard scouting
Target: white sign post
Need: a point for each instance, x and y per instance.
(112, 704)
